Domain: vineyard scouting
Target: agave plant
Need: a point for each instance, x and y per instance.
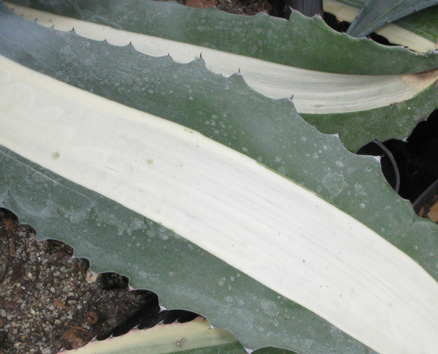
(173, 145)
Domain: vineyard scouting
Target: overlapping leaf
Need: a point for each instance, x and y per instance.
(195, 337)
(283, 143)
(298, 42)
(375, 14)
(150, 85)
(99, 217)
(418, 31)
(388, 106)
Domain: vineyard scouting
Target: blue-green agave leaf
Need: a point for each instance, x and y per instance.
(301, 42)
(376, 13)
(228, 112)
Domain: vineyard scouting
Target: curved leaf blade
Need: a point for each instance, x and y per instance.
(184, 275)
(216, 118)
(217, 199)
(418, 31)
(298, 42)
(314, 92)
(344, 92)
(424, 23)
(195, 337)
(246, 294)
(376, 13)
(192, 205)
(333, 191)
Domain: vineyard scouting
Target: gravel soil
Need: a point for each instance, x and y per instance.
(50, 300)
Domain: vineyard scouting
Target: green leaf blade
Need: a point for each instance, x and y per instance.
(298, 42)
(115, 78)
(338, 176)
(376, 13)
(181, 273)
(194, 337)
(418, 31)
(160, 212)
(263, 140)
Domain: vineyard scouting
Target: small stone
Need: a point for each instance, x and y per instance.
(76, 337)
(91, 318)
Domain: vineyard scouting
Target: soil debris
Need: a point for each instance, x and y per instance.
(46, 303)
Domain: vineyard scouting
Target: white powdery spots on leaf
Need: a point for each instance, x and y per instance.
(143, 274)
(151, 277)
(334, 183)
(359, 189)
(308, 343)
(150, 233)
(228, 299)
(136, 224)
(231, 221)
(163, 233)
(66, 50)
(78, 216)
(269, 307)
(221, 281)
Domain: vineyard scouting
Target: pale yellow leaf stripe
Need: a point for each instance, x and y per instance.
(312, 91)
(268, 227)
(170, 338)
(392, 32)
